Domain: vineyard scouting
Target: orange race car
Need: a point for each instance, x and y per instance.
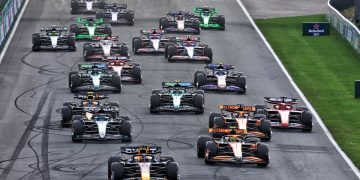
(241, 119)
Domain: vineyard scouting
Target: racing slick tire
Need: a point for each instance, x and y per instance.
(74, 28)
(200, 92)
(219, 122)
(36, 40)
(130, 17)
(136, 74)
(172, 51)
(208, 53)
(70, 74)
(136, 45)
(78, 131)
(71, 42)
(155, 102)
(118, 169)
(156, 91)
(88, 51)
(199, 103)
(212, 152)
(262, 152)
(75, 81)
(112, 160)
(195, 24)
(265, 127)
(221, 22)
(124, 51)
(212, 118)
(116, 82)
(74, 7)
(163, 23)
(66, 113)
(201, 145)
(200, 79)
(172, 171)
(107, 30)
(166, 50)
(306, 120)
(126, 131)
(241, 82)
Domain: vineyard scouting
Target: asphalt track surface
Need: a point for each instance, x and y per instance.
(34, 86)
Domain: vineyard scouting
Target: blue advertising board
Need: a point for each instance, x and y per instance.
(316, 28)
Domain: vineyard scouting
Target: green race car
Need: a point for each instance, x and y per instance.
(209, 19)
(90, 29)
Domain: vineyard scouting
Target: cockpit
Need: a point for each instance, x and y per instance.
(106, 42)
(282, 106)
(220, 72)
(101, 117)
(177, 92)
(229, 139)
(89, 103)
(142, 158)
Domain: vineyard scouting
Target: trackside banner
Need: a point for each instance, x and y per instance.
(7, 18)
(316, 29)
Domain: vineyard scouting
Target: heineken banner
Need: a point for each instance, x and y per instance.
(316, 28)
(348, 30)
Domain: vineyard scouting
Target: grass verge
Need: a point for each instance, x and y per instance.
(325, 69)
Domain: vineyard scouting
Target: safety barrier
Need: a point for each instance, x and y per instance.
(347, 29)
(7, 18)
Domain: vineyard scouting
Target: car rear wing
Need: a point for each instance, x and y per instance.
(133, 150)
(205, 9)
(181, 13)
(188, 38)
(238, 107)
(116, 6)
(95, 65)
(86, 20)
(226, 131)
(177, 84)
(152, 31)
(90, 96)
(277, 100)
(54, 28)
(219, 66)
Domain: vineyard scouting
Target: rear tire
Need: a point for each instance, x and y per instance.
(221, 22)
(130, 18)
(78, 131)
(88, 51)
(212, 119)
(219, 122)
(66, 113)
(75, 81)
(110, 162)
(74, 28)
(136, 74)
(241, 82)
(199, 103)
(208, 53)
(36, 40)
(265, 127)
(136, 45)
(306, 120)
(116, 82)
(163, 23)
(172, 170)
(201, 145)
(126, 131)
(155, 102)
(172, 51)
(118, 169)
(262, 152)
(196, 25)
(200, 79)
(212, 152)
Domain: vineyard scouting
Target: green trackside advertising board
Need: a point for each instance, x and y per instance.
(316, 28)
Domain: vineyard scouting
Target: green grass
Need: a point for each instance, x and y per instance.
(325, 69)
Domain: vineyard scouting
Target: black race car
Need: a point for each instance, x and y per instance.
(87, 6)
(53, 38)
(142, 162)
(177, 97)
(116, 13)
(94, 78)
(180, 22)
(101, 126)
(90, 102)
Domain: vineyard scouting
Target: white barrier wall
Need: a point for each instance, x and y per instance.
(7, 18)
(347, 29)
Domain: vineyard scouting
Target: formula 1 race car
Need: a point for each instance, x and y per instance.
(101, 126)
(238, 148)
(90, 102)
(53, 38)
(177, 97)
(142, 162)
(94, 78)
(220, 77)
(241, 119)
(282, 113)
(208, 18)
(104, 49)
(180, 22)
(90, 29)
(129, 71)
(116, 13)
(87, 6)
(151, 41)
(188, 48)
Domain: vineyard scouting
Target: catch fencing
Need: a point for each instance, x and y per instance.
(7, 19)
(347, 29)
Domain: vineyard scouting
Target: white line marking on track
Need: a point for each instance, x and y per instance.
(316, 115)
